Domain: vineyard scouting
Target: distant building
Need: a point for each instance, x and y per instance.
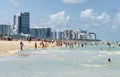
(73, 35)
(81, 34)
(83, 31)
(89, 36)
(84, 36)
(57, 35)
(68, 34)
(41, 33)
(16, 26)
(92, 35)
(46, 33)
(22, 23)
(78, 35)
(5, 29)
(54, 35)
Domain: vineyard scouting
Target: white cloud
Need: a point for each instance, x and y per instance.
(90, 14)
(105, 25)
(101, 23)
(89, 19)
(116, 21)
(94, 19)
(14, 2)
(59, 18)
(74, 1)
(87, 13)
(102, 16)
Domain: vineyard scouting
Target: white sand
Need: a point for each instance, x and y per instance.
(7, 48)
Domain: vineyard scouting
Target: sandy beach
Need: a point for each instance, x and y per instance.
(7, 48)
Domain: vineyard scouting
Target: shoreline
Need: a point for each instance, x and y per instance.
(8, 48)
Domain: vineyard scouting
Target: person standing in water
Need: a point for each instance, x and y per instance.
(21, 45)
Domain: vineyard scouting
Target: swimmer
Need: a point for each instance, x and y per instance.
(109, 60)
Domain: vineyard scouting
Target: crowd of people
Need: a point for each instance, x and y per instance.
(44, 44)
(71, 44)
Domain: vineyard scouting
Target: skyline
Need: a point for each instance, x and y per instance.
(101, 17)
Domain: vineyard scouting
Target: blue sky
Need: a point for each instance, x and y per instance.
(99, 16)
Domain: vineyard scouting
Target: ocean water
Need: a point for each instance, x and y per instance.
(88, 61)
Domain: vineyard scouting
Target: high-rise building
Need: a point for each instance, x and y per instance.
(5, 29)
(68, 34)
(60, 35)
(41, 33)
(73, 35)
(25, 23)
(78, 35)
(22, 23)
(16, 26)
(54, 35)
(81, 34)
(92, 35)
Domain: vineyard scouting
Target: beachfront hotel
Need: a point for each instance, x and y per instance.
(22, 23)
(57, 35)
(72, 35)
(5, 29)
(41, 33)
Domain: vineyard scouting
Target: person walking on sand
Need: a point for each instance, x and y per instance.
(35, 45)
(42, 44)
(21, 45)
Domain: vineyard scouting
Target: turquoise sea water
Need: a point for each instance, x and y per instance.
(89, 61)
